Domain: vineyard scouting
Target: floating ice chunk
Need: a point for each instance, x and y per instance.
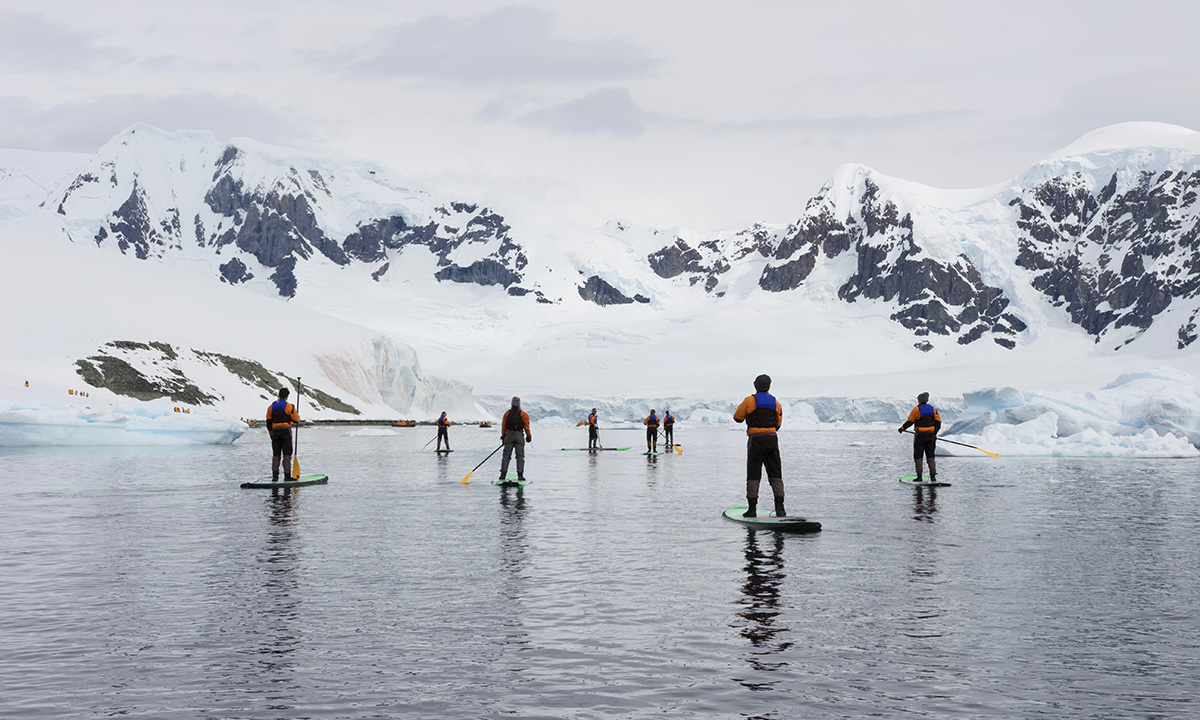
(1041, 437)
(151, 423)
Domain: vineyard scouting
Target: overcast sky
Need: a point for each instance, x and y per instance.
(679, 112)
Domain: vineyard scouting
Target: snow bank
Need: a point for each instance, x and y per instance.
(151, 423)
(1152, 413)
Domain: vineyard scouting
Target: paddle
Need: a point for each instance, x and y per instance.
(489, 457)
(678, 449)
(296, 449)
(427, 444)
(985, 452)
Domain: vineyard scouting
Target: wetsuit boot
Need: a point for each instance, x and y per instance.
(751, 511)
(779, 511)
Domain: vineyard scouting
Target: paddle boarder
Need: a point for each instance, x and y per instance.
(763, 415)
(514, 433)
(651, 423)
(281, 418)
(926, 424)
(593, 431)
(443, 432)
(668, 424)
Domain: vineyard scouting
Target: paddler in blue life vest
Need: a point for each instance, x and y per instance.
(593, 424)
(514, 433)
(281, 418)
(668, 423)
(443, 432)
(763, 415)
(651, 423)
(926, 425)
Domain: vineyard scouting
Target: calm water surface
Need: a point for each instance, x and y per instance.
(143, 583)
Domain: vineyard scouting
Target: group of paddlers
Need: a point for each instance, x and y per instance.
(762, 413)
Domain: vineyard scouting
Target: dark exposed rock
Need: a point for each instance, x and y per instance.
(596, 290)
(480, 272)
(234, 272)
(130, 225)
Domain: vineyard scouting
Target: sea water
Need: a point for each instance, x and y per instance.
(144, 583)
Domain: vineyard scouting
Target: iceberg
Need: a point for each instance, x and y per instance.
(150, 423)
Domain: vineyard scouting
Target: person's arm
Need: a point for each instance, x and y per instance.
(912, 418)
(937, 422)
(293, 414)
(525, 419)
(504, 424)
(742, 411)
(778, 415)
(269, 414)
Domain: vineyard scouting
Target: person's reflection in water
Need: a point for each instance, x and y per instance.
(278, 604)
(759, 616)
(925, 509)
(514, 557)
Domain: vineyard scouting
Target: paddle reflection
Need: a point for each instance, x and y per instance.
(760, 613)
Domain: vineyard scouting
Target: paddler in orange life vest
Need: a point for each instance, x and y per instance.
(763, 415)
(281, 418)
(514, 433)
(443, 433)
(668, 423)
(926, 425)
(651, 423)
(593, 431)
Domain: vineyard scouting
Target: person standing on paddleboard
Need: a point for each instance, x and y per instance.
(514, 433)
(651, 424)
(593, 431)
(668, 423)
(926, 425)
(281, 418)
(763, 415)
(443, 432)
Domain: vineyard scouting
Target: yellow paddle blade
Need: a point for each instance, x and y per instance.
(295, 467)
(985, 452)
(678, 449)
(468, 477)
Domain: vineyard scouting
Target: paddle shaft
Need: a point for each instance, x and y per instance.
(910, 432)
(481, 462)
(296, 449)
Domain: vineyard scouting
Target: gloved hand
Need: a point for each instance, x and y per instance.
(900, 430)
(528, 438)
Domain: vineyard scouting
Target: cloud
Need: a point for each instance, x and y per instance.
(606, 111)
(30, 43)
(85, 125)
(511, 46)
(845, 124)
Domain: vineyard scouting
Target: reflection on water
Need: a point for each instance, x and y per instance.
(925, 506)
(280, 603)
(760, 612)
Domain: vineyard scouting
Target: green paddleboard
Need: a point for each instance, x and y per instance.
(443, 451)
(912, 480)
(787, 523)
(649, 452)
(304, 480)
(595, 449)
(510, 480)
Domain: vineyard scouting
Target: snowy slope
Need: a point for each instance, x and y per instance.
(80, 320)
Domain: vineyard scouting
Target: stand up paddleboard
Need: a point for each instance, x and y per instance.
(787, 523)
(595, 449)
(912, 480)
(649, 452)
(510, 480)
(304, 480)
(443, 451)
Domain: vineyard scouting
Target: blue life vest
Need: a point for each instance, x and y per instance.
(926, 419)
(764, 415)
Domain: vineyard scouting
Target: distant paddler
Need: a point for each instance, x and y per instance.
(443, 425)
(593, 424)
(926, 424)
(651, 423)
(668, 424)
(281, 418)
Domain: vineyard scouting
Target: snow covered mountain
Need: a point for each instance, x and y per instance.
(1090, 254)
